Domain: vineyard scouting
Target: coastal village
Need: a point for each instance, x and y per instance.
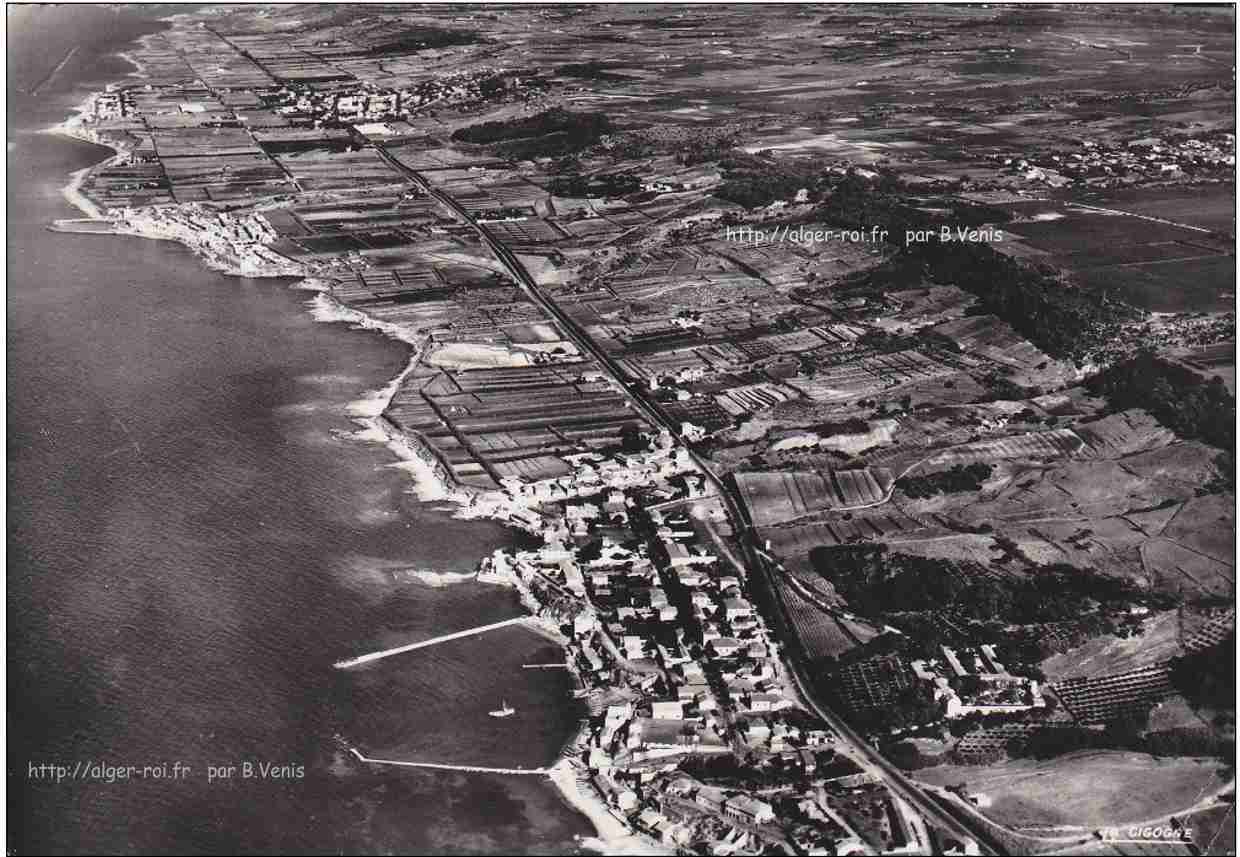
(669, 649)
(841, 537)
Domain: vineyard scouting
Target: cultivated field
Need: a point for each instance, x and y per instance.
(1057, 443)
(783, 496)
(1096, 701)
(1150, 263)
(820, 633)
(794, 541)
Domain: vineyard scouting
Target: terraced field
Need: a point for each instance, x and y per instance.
(1211, 632)
(1123, 434)
(1057, 443)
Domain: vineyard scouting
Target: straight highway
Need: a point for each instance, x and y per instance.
(893, 777)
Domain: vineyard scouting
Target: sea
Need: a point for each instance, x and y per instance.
(198, 529)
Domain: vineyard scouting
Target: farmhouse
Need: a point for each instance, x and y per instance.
(973, 681)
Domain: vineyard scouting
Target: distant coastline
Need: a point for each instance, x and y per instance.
(431, 478)
(73, 127)
(713, 447)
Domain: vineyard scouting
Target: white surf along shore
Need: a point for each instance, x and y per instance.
(613, 836)
(75, 127)
(431, 479)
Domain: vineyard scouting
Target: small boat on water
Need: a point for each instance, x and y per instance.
(504, 710)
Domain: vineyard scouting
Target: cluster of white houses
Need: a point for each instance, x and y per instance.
(231, 241)
(973, 681)
(664, 631)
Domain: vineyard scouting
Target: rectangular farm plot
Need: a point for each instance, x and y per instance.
(530, 231)
(819, 632)
(869, 375)
(488, 410)
(203, 143)
(532, 469)
(496, 424)
(775, 497)
(784, 496)
(752, 397)
(795, 541)
(320, 170)
(857, 487)
(987, 336)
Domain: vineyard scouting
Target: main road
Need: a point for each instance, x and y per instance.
(892, 775)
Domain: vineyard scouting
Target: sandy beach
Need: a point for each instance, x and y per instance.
(415, 458)
(73, 193)
(73, 128)
(614, 837)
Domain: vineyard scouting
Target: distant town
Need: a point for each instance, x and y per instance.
(854, 543)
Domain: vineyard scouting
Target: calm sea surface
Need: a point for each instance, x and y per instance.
(194, 538)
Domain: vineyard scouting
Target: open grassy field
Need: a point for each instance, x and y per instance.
(1205, 282)
(1090, 790)
(1135, 516)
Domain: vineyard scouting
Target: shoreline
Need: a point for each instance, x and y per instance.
(612, 836)
(71, 128)
(72, 192)
(430, 481)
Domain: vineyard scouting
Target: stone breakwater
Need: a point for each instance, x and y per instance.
(570, 776)
(236, 246)
(227, 244)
